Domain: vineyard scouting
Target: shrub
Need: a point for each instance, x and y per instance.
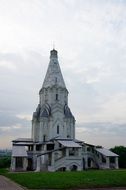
(5, 162)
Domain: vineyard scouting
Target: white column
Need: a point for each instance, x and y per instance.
(13, 163)
(86, 162)
(45, 147)
(34, 162)
(107, 162)
(52, 159)
(79, 151)
(116, 163)
(25, 164)
(67, 152)
(38, 163)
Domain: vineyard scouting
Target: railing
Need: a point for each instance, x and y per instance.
(35, 151)
(57, 164)
(59, 158)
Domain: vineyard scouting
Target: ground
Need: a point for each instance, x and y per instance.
(7, 184)
(108, 179)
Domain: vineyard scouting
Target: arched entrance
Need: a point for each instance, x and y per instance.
(73, 167)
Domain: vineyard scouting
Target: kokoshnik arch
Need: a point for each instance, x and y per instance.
(53, 145)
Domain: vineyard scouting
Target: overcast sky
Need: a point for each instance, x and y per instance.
(90, 36)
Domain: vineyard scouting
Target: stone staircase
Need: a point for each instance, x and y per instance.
(94, 158)
(59, 163)
(63, 162)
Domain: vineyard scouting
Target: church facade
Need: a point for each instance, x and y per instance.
(53, 146)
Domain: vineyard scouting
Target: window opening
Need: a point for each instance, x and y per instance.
(56, 80)
(56, 96)
(57, 129)
(44, 137)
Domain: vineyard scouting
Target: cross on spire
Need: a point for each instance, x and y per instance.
(53, 45)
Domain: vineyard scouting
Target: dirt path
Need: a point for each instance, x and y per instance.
(7, 184)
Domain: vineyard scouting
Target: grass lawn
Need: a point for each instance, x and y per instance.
(65, 180)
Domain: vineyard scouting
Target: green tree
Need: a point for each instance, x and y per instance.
(5, 162)
(121, 151)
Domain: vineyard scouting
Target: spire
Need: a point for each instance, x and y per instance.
(53, 75)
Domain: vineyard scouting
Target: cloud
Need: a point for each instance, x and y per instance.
(8, 128)
(27, 117)
(14, 125)
(16, 86)
(90, 39)
(7, 65)
(105, 134)
(11, 132)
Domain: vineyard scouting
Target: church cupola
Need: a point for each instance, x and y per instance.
(53, 54)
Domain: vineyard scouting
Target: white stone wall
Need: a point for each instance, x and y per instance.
(48, 95)
(48, 126)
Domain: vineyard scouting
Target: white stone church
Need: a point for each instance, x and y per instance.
(53, 146)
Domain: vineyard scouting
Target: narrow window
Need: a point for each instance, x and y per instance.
(56, 80)
(44, 138)
(56, 96)
(57, 129)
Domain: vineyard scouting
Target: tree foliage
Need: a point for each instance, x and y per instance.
(5, 161)
(121, 151)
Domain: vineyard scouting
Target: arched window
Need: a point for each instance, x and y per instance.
(57, 129)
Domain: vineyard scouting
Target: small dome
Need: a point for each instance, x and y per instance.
(53, 53)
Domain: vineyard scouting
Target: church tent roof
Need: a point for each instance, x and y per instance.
(53, 75)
